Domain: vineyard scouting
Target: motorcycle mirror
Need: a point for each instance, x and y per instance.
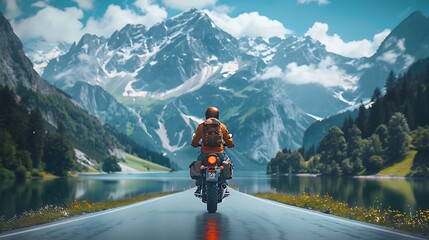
(230, 135)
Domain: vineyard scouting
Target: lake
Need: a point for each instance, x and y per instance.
(401, 194)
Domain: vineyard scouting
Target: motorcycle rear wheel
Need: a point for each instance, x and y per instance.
(212, 197)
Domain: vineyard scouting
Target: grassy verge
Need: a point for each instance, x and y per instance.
(52, 213)
(417, 222)
(401, 169)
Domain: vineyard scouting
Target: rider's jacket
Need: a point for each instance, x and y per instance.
(204, 149)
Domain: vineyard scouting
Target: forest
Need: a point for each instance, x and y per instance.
(382, 134)
(31, 145)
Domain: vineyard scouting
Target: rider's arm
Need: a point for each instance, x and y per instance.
(197, 136)
(226, 137)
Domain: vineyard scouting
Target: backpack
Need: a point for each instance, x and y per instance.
(212, 133)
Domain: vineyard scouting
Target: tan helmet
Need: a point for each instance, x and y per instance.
(212, 112)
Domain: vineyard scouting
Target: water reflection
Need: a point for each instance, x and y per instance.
(212, 226)
(16, 197)
(401, 194)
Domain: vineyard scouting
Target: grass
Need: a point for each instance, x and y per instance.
(401, 169)
(52, 213)
(417, 221)
(143, 165)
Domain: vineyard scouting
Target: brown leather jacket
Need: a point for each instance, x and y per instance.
(226, 137)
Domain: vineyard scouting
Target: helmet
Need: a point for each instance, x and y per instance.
(212, 112)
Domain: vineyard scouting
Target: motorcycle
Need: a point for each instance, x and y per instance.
(214, 174)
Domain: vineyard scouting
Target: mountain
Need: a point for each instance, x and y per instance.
(169, 74)
(40, 53)
(106, 108)
(322, 99)
(57, 108)
(259, 47)
(17, 73)
(16, 69)
(407, 43)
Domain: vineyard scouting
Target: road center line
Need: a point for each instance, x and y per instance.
(332, 217)
(80, 218)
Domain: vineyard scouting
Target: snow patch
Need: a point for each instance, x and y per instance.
(192, 84)
(162, 134)
(315, 117)
(229, 68)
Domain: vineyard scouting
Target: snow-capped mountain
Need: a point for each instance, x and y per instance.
(316, 79)
(41, 53)
(259, 47)
(169, 74)
(408, 42)
(268, 91)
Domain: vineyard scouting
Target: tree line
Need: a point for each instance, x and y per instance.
(30, 145)
(381, 135)
(26, 145)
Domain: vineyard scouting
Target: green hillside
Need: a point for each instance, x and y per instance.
(401, 169)
(143, 165)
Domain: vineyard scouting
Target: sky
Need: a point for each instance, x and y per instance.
(352, 28)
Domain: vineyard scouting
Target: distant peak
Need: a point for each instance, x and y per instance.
(416, 16)
(194, 11)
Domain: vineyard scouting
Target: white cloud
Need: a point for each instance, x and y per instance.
(325, 73)
(248, 24)
(353, 49)
(270, 73)
(153, 12)
(116, 18)
(85, 4)
(187, 4)
(52, 25)
(389, 57)
(320, 2)
(39, 4)
(392, 55)
(12, 9)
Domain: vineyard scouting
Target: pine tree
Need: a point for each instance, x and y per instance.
(376, 112)
(362, 120)
(59, 156)
(36, 137)
(391, 81)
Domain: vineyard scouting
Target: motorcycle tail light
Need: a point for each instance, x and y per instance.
(202, 167)
(221, 168)
(212, 160)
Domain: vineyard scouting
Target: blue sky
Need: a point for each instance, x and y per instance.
(339, 24)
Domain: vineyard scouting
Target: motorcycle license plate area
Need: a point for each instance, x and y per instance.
(211, 176)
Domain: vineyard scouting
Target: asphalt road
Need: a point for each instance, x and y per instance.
(182, 216)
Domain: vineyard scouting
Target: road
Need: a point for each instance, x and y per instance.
(182, 216)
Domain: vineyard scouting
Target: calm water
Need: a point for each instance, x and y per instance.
(401, 194)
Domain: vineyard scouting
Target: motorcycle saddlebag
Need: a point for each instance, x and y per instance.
(194, 169)
(228, 169)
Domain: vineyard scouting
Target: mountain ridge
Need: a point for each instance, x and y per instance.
(171, 66)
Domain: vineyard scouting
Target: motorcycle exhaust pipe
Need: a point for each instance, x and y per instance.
(223, 186)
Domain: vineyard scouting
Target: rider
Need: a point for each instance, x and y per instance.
(212, 117)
